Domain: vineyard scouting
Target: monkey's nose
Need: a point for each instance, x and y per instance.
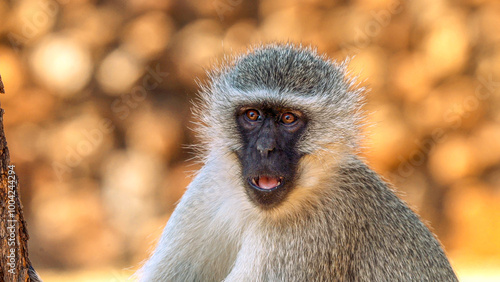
(264, 150)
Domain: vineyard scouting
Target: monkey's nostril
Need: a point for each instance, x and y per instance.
(265, 152)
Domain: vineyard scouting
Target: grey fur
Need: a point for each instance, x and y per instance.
(341, 223)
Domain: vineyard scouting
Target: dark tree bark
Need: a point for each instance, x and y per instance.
(15, 264)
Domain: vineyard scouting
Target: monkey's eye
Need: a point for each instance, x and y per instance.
(288, 118)
(252, 115)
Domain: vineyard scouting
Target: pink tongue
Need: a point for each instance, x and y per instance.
(267, 182)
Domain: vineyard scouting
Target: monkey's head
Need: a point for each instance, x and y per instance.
(279, 108)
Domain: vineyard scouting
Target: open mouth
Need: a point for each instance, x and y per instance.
(266, 183)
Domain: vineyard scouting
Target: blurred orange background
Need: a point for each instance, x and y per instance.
(97, 112)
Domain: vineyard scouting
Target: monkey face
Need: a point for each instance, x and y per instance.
(269, 154)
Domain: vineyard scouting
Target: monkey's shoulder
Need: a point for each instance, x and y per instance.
(383, 236)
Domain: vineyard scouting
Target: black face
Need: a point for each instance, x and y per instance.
(269, 156)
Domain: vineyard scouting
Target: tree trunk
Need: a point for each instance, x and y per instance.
(15, 264)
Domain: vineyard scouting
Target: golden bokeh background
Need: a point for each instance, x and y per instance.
(97, 113)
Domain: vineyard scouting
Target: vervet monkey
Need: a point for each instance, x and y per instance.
(282, 195)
